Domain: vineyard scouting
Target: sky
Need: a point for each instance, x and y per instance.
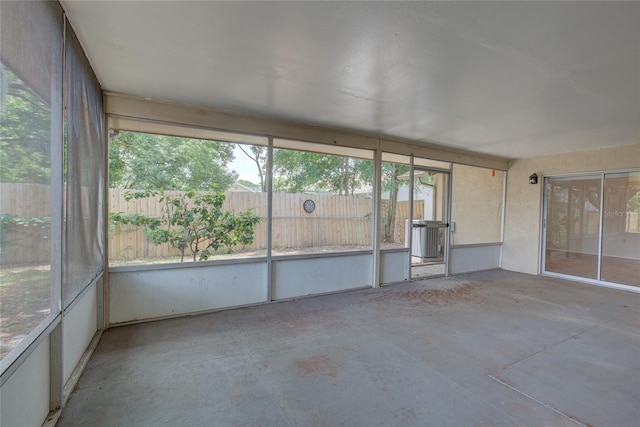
(244, 166)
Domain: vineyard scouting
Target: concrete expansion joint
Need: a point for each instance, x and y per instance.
(546, 405)
(545, 347)
(269, 387)
(497, 378)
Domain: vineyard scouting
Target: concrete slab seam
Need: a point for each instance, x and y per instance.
(452, 381)
(269, 388)
(551, 346)
(546, 405)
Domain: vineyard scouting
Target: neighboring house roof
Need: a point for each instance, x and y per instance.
(237, 187)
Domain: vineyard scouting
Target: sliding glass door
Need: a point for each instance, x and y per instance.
(573, 226)
(591, 227)
(621, 229)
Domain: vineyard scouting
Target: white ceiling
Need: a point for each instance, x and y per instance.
(514, 79)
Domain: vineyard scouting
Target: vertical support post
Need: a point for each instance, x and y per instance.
(56, 380)
(569, 212)
(375, 217)
(410, 215)
(503, 213)
(58, 188)
(447, 218)
(547, 211)
(269, 218)
(582, 227)
(103, 286)
(600, 235)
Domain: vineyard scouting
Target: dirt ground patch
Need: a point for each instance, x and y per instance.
(24, 303)
(441, 297)
(321, 365)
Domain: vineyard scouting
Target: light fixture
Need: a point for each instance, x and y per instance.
(533, 179)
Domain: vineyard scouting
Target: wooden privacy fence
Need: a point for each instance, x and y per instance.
(25, 224)
(337, 222)
(402, 214)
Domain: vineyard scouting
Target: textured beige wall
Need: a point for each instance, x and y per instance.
(521, 249)
(476, 205)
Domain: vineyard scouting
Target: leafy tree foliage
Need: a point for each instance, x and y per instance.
(159, 162)
(390, 174)
(633, 205)
(25, 133)
(390, 183)
(193, 221)
(296, 171)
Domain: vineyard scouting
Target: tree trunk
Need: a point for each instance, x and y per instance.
(263, 184)
(390, 225)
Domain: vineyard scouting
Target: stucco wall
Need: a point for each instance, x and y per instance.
(476, 205)
(521, 250)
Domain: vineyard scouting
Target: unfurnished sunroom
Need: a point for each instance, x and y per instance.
(235, 159)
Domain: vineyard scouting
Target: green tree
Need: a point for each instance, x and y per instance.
(25, 133)
(159, 162)
(392, 184)
(633, 205)
(194, 221)
(296, 171)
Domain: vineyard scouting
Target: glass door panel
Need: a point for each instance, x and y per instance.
(621, 229)
(572, 230)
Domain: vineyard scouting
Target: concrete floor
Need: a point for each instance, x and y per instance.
(494, 348)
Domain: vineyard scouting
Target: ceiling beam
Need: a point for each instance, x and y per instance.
(133, 107)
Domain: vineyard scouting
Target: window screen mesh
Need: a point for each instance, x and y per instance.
(31, 53)
(82, 251)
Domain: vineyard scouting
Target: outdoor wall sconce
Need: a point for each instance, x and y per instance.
(533, 179)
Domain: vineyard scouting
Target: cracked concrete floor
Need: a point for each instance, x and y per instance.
(487, 349)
